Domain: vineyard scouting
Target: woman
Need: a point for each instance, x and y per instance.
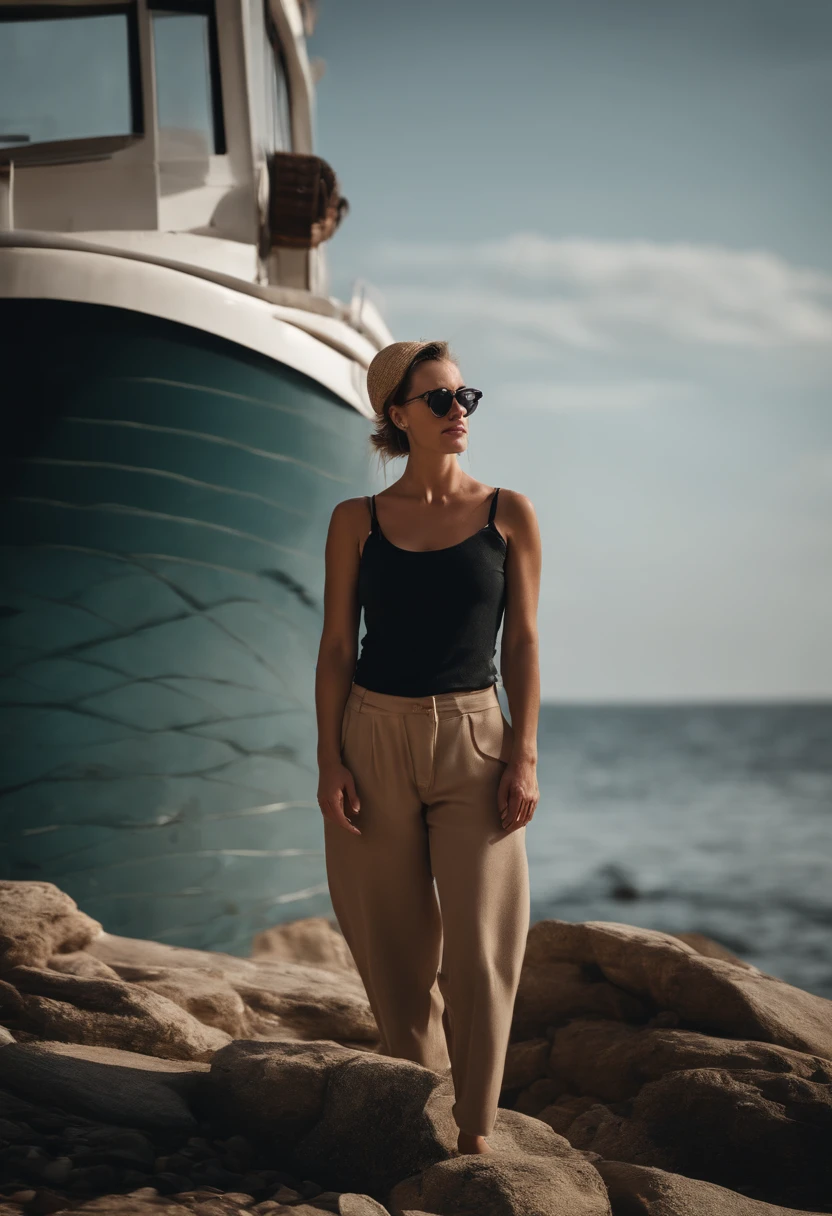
(421, 776)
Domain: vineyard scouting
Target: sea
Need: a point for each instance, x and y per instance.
(708, 818)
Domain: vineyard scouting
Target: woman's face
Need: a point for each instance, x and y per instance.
(424, 429)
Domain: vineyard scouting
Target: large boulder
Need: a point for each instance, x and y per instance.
(37, 920)
(561, 1113)
(349, 1119)
(713, 949)
(611, 1060)
(558, 1183)
(708, 994)
(284, 1000)
(526, 1062)
(767, 1134)
(551, 992)
(104, 1013)
(644, 1191)
(532, 1099)
(122, 1087)
(312, 939)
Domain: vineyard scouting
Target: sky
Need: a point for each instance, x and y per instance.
(619, 215)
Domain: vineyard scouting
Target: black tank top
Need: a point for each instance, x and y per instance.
(431, 615)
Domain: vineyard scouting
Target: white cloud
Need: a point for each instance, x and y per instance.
(592, 294)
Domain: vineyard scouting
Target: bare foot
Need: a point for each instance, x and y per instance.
(472, 1144)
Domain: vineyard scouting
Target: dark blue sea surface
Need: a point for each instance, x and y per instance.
(713, 818)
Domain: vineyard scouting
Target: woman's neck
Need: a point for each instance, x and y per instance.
(430, 480)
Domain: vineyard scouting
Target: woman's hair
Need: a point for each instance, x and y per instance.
(388, 439)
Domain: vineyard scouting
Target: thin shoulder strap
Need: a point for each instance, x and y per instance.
(493, 510)
(373, 518)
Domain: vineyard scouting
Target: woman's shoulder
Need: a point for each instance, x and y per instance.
(351, 516)
(351, 508)
(515, 516)
(515, 502)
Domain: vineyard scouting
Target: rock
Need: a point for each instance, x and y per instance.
(205, 994)
(272, 1090)
(530, 1101)
(503, 1184)
(767, 1134)
(307, 1003)
(313, 939)
(109, 1013)
(6, 1036)
(39, 920)
(711, 949)
(102, 1082)
(80, 963)
(525, 1062)
(612, 1061)
(651, 1192)
(352, 1204)
(553, 992)
(560, 1115)
(710, 994)
(352, 1120)
(285, 1000)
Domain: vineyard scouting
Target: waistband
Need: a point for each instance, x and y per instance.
(443, 704)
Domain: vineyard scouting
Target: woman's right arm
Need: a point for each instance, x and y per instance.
(337, 654)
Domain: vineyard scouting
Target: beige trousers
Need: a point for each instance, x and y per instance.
(441, 974)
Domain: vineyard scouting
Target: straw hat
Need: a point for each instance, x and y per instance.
(386, 371)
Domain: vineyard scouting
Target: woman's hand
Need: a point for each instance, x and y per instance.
(333, 780)
(518, 795)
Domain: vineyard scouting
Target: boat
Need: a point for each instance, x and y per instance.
(184, 402)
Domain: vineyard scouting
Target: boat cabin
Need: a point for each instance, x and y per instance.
(150, 123)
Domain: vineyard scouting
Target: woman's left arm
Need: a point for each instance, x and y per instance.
(518, 793)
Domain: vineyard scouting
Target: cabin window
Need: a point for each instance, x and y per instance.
(188, 94)
(67, 74)
(278, 112)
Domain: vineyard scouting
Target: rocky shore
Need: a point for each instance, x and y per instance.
(648, 1074)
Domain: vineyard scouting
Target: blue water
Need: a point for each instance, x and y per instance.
(709, 818)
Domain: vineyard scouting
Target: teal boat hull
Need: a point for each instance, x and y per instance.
(166, 501)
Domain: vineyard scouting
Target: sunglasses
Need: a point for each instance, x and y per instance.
(440, 400)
